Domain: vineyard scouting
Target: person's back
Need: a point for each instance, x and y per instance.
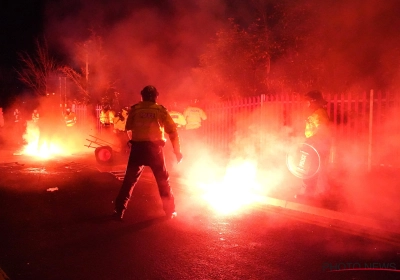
(147, 120)
(146, 126)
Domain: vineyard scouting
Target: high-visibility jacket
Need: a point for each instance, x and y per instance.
(106, 117)
(317, 122)
(120, 123)
(178, 118)
(149, 121)
(70, 119)
(317, 131)
(16, 116)
(194, 116)
(35, 117)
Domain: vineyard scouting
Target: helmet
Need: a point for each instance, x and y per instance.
(315, 96)
(149, 93)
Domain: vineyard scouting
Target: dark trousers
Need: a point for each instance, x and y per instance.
(146, 154)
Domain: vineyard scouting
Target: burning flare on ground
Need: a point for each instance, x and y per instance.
(37, 147)
(237, 189)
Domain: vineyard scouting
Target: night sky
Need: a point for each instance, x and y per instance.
(63, 23)
(21, 22)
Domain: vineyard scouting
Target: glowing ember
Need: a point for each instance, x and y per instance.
(38, 147)
(237, 189)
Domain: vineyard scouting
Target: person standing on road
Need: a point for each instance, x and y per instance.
(106, 119)
(146, 126)
(35, 116)
(69, 118)
(317, 135)
(18, 126)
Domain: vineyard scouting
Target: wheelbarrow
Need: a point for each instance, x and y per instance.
(104, 151)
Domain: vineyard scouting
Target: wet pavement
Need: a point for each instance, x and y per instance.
(56, 224)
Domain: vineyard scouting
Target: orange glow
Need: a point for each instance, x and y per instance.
(41, 148)
(237, 189)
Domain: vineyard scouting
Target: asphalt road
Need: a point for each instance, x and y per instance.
(68, 233)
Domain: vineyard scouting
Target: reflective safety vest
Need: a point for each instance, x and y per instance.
(106, 117)
(317, 124)
(178, 118)
(70, 119)
(35, 117)
(16, 116)
(120, 123)
(149, 121)
(194, 116)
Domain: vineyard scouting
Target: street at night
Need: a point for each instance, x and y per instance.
(224, 139)
(68, 233)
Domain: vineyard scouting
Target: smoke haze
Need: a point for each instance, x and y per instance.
(159, 43)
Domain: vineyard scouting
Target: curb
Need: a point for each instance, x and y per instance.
(331, 214)
(377, 229)
(356, 224)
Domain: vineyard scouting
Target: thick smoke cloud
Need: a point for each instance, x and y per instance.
(365, 39)
(145, 42)
(349, 44)
(354, 45)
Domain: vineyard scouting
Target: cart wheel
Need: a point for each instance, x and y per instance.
(103, 154)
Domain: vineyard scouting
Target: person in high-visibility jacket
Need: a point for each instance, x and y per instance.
(178, 118)
(119, 128)
(18, 126)
(194, 116)
(317, 133)
(70, 118)
(35, 116)
(107, 116)
(147, 124)
(119, 120)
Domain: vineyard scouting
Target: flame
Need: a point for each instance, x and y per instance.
(37, 147)
(237, 189)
